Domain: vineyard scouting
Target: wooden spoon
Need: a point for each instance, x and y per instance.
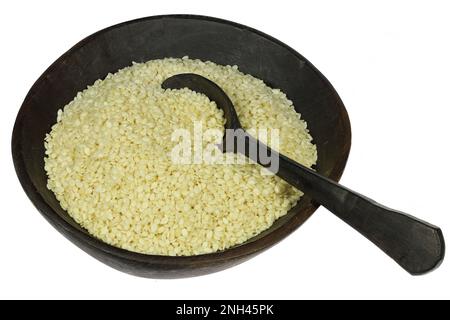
(415, 245)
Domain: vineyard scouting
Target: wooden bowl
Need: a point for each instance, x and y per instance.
(205, 38)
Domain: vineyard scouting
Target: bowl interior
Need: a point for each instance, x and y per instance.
(177, 36)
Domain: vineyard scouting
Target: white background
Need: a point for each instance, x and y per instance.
(388, 60)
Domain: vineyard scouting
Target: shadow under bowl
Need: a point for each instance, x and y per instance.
(199, 37)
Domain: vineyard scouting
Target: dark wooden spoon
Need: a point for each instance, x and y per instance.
(414, 244)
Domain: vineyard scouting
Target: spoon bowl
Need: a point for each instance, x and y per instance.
(208, 88)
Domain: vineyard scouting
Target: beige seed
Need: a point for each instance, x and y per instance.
(108, 161)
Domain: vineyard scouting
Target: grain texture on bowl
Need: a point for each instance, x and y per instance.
(108, 161)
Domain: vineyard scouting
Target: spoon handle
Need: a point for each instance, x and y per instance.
(415, 245)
